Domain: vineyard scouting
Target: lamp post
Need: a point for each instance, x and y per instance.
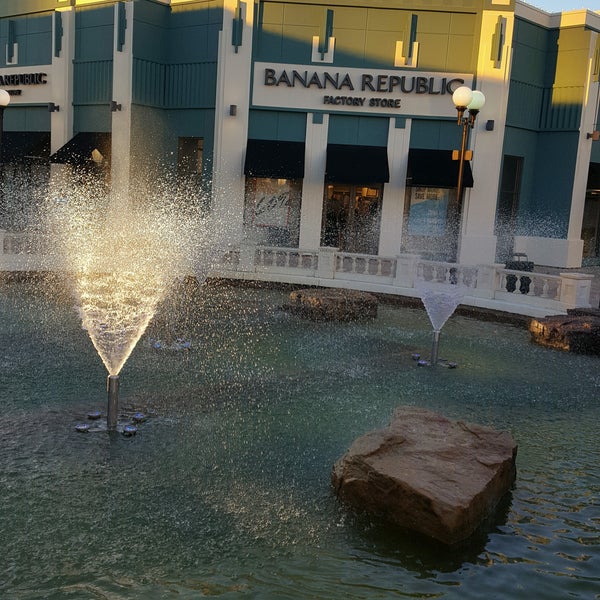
(4, 102)
(470, 101)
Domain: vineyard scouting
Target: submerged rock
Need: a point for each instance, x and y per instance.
(578, 332)
(429, 474)
(325, 304)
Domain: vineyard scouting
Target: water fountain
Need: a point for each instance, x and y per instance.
(235, 475)
(123, 258)
(440, 298)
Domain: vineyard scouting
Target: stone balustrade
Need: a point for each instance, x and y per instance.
(489, 286)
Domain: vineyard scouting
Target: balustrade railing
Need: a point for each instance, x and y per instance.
(489, 286)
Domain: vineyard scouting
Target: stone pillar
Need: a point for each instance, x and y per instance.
(477, 242)
(327, 257)
(405, 270)
(575, 290)
(314, 176)
(392, 209)
(120, 163)
(247, 252)
(487, 277)
(232, 108)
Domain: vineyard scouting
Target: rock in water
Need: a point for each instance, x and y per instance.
(429, 474)
(325, 304)
(578, 332)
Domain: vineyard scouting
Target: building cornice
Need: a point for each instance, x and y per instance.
(558, 20)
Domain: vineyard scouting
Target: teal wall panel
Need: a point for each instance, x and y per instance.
(366, 36)
(154, 149)
(97, 118)
(535, 53)
(92, 69)
(551, 194)
(194, 32)
(149, 82)
(277, 125)
(364, 131)
(547, 180)
(26, 118)
(435, 135)
(94, 30)
(175, 54)
(523, 143)
(93, 82)
(191, 85)
(150, 31)
(32, 36)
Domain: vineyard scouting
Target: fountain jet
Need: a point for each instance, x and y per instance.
(112, 386)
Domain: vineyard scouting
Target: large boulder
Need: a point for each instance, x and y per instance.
(331, 304)
(578, 332)
(429, 474)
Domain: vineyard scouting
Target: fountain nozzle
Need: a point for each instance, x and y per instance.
(112, 386)
(435, 347)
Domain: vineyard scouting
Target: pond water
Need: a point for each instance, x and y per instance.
(225, 489)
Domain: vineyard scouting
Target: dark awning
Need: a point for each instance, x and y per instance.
(78, 150)
(22, 145)
(274, 159)
(435, 168)
(356, 164)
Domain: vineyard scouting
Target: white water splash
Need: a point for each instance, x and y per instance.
(440, 300)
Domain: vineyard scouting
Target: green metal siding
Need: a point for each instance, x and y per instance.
(547, 180)
(277, 125)
(548, 77)
(33, 35)
(543, 118)
(364, 131)
(435, 134)
(194, 32)
(26, 118)
(175, 54)
(92, 68)
(150, 31)
(366, 37)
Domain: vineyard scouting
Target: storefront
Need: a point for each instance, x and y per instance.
(326, 125)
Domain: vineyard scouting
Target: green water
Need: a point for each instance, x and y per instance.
(225, 489)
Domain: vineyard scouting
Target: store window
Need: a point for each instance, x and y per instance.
(351, 217)
(272, 211)
(431, 222)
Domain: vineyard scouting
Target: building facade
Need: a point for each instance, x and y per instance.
(309, 125)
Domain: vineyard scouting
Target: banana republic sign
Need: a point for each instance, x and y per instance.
(16, 80)
(396, 92)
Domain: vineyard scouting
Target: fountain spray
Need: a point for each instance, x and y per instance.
(112, 386)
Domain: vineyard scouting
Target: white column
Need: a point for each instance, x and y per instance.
(231, 130)
(477, 243)
(392, 210)
(313, 183)
(122, 95)
(61, 121)
(574, 243)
